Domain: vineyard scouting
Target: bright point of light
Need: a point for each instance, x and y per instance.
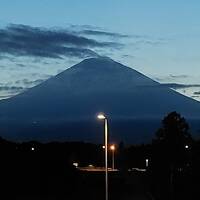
(112, 147)
(90, 166)
(101, 116)
(32, 149)
(147, 162)
(75, 164)
(186, 146)
(103, 147)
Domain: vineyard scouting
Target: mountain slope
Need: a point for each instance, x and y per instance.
(80, 92)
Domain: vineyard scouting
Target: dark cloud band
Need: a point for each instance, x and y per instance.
(104, 33)
(22, 40)
(10, 88)
(197, 93)
(179, 86)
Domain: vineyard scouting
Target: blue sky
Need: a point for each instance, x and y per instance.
(159, 38)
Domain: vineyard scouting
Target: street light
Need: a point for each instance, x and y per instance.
(147, 162)
(112, 148)
(103, 117)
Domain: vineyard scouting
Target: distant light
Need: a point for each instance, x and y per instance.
(112, 147)
(180, 169)
(101, 116)
(32, 149)
(75, 164)
(137, 169)
(186, 146)
(103, 147)
(147, 162)
(90, 165)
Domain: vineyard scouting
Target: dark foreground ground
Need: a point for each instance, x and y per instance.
(87, 185)
(60, 184)
(47, 173)
(36, 175)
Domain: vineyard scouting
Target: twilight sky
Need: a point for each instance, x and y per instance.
(41, 38)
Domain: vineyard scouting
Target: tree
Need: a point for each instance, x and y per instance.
(170, 149)
(173, 138)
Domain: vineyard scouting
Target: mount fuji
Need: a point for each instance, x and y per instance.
(65, 106)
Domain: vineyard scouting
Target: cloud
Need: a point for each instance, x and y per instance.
(139, 39)
(23, 40)
(5, 96)
(104, 33)
(172, 77)
(127, 56)
(179, 76)
(38, 76)
(149, 42)
(20, 65)
(28, 83)
(84, 26)
(179, 86)
(195, 96)
(196, 93)
(11, 88)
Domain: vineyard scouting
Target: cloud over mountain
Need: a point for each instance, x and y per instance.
(23, 40)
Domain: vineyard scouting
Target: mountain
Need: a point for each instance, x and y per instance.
(65, 106)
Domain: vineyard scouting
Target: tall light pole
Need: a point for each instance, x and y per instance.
(112, 148)
(103, 117)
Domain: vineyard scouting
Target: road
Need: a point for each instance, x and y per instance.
(90, 185)
(122, 186)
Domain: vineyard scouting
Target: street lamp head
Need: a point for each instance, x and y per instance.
(147, 162)
(101, 116)
(112, 147)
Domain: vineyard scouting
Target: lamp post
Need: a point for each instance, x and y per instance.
(112, 148)
(103, 117)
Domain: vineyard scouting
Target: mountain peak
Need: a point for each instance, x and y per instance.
(92, 72)
(97, 63)
(99, 59)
